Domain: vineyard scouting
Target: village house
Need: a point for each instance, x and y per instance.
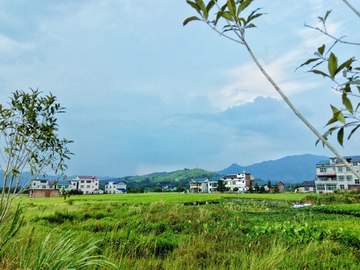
(240, 181)
(306, 186)
(115, 187)
(40, 188)
(205, 185)
(332, 174)
(86, 184)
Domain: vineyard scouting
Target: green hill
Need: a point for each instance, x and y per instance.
(162, 179)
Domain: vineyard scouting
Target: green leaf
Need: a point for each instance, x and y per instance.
(326, 15)
(243, 6)
(226, 15)
(340, 136)
(218, 15)
(319, 72)
(232, 7)
(321, 49)
(339, 116)
(194, 5)
(345, 65)
(346, 101)
(332, 65)
(210, 5)
(194, 18)
(351, 133)
(201, 5)
(308, 62)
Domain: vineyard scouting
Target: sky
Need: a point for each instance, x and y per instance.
(145, 94)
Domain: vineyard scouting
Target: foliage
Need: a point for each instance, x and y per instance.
(256, 187)
(269, 184)
(276, 188)
(141, 234)
(28, 129)
(221, 186)
(65, 253)
(234, 27)
(346, 77)
(180, 189)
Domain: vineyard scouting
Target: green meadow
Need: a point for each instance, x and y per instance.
(182, 231)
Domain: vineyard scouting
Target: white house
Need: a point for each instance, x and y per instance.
(87, 184)
(42, 184)
(333, 174)
(306, 186)
(240, 181)
(115, 187)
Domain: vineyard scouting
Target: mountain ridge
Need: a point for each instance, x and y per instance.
(297, 168)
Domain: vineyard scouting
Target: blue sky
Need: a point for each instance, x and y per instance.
(145, 94)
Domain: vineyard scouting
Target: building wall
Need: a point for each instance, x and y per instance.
(111, 188)
(44, 193)
(335, 175)
(87, 186)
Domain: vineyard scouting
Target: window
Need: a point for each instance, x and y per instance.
(88, 181)
(214, 185)
(349, 177)
(320, 187)
(82, 182)
(307, 188)
(234, 182)
(341, 178)
(88, 186)
(43, 181)
(347, 169)
(357, 181)
(323, 178)
(342, 187)
(340, 169)
(355, 163)
(34, 184)
(43, 187)
(330, 187)
(82, 186)
(322, 169)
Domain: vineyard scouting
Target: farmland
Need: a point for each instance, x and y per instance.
(167, 231)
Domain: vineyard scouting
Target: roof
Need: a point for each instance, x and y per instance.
(215, 178)
(352, 158)
(323, 162)
(64, 182)
(308, 184)
(198, 180)
(230, 176)
(87, 177)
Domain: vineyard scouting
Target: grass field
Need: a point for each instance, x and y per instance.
(157, 231)
(166, 197)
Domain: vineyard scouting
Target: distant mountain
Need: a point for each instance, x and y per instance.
(288, 169)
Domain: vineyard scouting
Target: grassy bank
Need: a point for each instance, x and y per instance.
(157, 231)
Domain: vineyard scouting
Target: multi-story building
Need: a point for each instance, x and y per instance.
(240, 181)
(333, 174)
(115, 187)
(204, 185)
(43, 188)
(87, 184)
(42, 184)
(64, 184)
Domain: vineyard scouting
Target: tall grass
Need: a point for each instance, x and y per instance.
(163, 234)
